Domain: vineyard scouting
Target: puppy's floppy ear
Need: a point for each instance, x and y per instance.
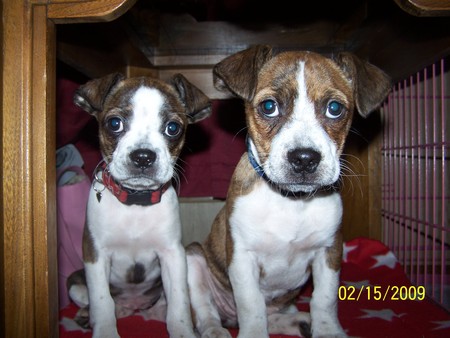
(370, 84)
(198, 105)
(238, 73)
(91, 96)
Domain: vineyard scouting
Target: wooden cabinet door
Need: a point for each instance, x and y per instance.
(28, 192)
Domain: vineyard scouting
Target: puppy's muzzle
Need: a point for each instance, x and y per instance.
(304, 160)
(143, 158)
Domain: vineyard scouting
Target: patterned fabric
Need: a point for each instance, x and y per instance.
(374, 302)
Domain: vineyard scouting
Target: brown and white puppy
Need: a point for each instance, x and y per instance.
(132, 251)
(281, 220)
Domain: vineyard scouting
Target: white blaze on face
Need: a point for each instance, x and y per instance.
(145, 131)
(302, 130)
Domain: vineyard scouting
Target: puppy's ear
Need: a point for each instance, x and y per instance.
(238, 73)
(370, 84)
(91, 96)
(198, 105)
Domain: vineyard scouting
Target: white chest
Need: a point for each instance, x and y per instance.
(133, 229)
(283, 234)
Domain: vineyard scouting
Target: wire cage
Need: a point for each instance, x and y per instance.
(415, 179)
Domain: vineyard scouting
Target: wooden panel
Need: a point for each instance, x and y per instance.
(361, 182)
(2, 246)
(42, 128)
(21, 277)
(29, 276)
(425, 7)
(108, 48)
(62, 11)
(173, 34)
(200, 77)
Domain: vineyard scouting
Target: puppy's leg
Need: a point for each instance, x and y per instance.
(102, 306)
(205, 313)
(250, 303)
(78, 292)
(290, 322)
(173, 273)
(324, 318)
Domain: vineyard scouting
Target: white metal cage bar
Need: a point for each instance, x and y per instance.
(415, 188)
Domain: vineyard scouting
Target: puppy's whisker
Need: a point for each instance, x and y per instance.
(176, 182)
(179, 171)
(348, 173)
(238, 132)
(346, 155)
(358, 133)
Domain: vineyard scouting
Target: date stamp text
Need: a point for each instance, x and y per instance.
(381, 293)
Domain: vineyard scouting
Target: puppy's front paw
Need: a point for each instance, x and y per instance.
(82, 318)
(337, 334)
(216, 332)
(102, 335)
(327, 329)
(184, 333)
(106, 333)
(305, 329)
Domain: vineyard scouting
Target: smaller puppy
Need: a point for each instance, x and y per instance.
(281, 220)
(132, 251)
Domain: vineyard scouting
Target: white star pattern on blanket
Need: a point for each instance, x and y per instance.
(358, 284)
(443, 324)
(385, 314)
(388, 259)
(347, 249)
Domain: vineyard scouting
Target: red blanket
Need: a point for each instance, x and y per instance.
(376, 300)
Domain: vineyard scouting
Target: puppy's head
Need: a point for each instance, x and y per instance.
(142, 124)
(299, 107)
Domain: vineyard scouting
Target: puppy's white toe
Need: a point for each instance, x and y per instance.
(216, 332)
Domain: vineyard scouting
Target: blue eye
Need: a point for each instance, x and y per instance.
(115, 124)
(334, 110)
(269, 108)
(172, 129)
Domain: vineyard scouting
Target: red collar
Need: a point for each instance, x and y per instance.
(129, 196)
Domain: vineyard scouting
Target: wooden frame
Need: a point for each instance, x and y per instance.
(29, 273)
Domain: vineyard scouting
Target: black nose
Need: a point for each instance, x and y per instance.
(304, 160)
(143, 158)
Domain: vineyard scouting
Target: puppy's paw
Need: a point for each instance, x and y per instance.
(327, 329)
(183, 334)
(216, 332)
(105, 334)
(338, 334)
(293, 323)
(82, 318)
(305, 329)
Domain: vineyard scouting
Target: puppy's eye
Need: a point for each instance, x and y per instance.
(173, 129)
(269, 108)
(115, 124)
(334, 110)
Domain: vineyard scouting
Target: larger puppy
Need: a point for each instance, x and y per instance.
(132, 251)
(282, 216)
